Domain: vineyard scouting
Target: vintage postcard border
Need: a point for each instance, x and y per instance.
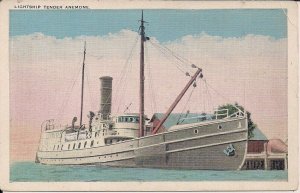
(291, 7)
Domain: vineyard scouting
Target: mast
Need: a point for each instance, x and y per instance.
(82, 83)
(142, 78)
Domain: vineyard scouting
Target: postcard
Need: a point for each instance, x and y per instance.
(148, 96)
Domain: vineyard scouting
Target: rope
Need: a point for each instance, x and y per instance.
(122, 74)
(183, 60)
(67, 95)
(92, 102)
(185, 105)
(178, 66)
(125, 84)
(152, 93)
(186, 64)
(209, 103)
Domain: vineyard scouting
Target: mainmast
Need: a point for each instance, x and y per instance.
(82, 83)
(142, 78)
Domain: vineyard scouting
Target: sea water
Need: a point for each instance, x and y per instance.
(33, 172)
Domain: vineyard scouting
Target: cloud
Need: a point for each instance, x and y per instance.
(45, 76)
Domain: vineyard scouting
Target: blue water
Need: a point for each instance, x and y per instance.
(32, 172)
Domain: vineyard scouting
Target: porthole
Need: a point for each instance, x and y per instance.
(220, 127)
(196, 131)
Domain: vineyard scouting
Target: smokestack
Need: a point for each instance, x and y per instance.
(106, 95)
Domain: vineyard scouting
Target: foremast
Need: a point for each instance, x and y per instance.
(82, 84)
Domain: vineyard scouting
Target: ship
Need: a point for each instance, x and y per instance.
(132, 140)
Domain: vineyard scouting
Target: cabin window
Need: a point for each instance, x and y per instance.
(74, 146)
(57, 147)
(54, 147)
(239, 125)
(220, 127)
(196, 131)
(69, 147)
(147, 129)
(79, 144)
(61, 147)
(92, 143)
(126, 119)
(85, 144)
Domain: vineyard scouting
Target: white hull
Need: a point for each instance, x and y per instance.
(183, 148)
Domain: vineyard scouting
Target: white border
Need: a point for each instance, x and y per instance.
(292, 182)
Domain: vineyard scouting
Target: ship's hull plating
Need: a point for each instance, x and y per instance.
(194, 147)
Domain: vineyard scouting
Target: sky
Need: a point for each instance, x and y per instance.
(243, 54)
(165, 25)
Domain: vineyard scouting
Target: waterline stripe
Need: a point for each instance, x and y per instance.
(203, 146)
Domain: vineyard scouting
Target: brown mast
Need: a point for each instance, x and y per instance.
(142, 78)
(82, 83)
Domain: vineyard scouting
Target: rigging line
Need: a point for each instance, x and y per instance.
(164, 54)
(205, 81)
(97, 57)
(121, 75)
(67, 95)
(178, 56)
(180, 63)
(185, 105)
(183, 63)
(162, 50)
(209, 103)
(92, 102)
(151, 93)
(123, 84)
(221, 94)
(149, 84)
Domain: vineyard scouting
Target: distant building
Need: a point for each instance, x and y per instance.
(265, 154)
(257, 142)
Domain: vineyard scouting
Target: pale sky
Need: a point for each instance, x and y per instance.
(244, 60)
